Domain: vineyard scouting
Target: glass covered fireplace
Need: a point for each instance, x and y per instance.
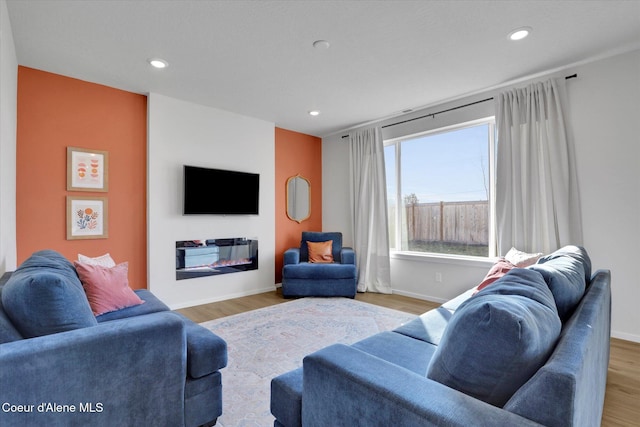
(207, 257)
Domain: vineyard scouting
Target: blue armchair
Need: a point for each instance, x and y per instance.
(302, 278)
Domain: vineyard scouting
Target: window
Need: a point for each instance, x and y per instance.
(439, 190)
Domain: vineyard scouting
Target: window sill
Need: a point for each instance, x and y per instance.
(430, 257)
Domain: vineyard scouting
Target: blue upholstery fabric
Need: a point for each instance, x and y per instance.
(348, 256)
(428, 327)
(345, 387)
(286, 398)
(144, 364)
(565, 271)
(44, 296)
(385, 345)
(306, 270)
(292, 256)
(569, 389)
(522, 327)
(301, 278)
(87, 366)
(522, 282)
(378, 381)
(202, 398)
(576, 252)
(206, 352)
(151, 305)
(5, 277)
(8, 332)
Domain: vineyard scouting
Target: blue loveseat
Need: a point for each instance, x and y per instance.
(302, 278)
(530, 349)
(61, 366)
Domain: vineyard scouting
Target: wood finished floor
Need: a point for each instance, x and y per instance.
(622, 399)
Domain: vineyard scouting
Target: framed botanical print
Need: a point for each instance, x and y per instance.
(87, 218)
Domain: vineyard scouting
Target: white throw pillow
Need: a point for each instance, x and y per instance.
(102, 261)
(521, 259)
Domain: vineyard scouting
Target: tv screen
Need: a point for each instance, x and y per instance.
(219, 191)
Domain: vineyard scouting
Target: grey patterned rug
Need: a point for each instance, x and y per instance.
(270, 341)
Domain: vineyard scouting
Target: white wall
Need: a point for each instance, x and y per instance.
(604, 113)
(182, 133)
(8, 98)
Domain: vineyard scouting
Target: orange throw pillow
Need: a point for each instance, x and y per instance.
(320, 251)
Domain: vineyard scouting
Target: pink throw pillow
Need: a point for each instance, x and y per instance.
(498, 270)
(107, 289)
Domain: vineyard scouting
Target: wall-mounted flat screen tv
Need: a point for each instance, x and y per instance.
(219, 191)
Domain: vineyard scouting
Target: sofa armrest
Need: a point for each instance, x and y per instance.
(206, 351)
(292, 256)
(344, 386)
(347, 256)
(125, 372)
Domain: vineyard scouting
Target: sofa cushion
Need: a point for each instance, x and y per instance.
(576, 252)
(151, 305)
(428, 327)
(566, 272)
(306, 270)
(496, 341)
(44, 296)
(399, 349)
(8, 332)
(525, 283)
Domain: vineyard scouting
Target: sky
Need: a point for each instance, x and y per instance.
(449, 166)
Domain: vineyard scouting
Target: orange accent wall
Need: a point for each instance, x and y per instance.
(296, 153)
(55, 112)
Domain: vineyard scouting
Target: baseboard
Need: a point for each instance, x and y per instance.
(625, 336)
(221, 298)
(419, 296)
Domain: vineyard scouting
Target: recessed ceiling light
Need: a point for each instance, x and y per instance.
(321, 44)
(519, 33)
(158, 63)
(314, 113)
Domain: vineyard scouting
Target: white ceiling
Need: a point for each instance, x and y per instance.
(256, 57)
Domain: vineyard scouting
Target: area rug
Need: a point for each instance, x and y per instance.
(270, 341)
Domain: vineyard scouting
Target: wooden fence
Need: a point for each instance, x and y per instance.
(452, 222)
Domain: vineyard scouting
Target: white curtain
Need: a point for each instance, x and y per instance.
(369, 210)
(537, 199)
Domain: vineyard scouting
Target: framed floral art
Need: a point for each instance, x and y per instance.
(87, 218)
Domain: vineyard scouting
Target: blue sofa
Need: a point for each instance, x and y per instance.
(61, 366)
(530, 349)
(301, 278)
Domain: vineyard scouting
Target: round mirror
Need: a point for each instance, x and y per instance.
(298, 198)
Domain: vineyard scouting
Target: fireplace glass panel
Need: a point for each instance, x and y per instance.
(208, 257)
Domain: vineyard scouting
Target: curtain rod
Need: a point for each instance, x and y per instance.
(432, 115)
